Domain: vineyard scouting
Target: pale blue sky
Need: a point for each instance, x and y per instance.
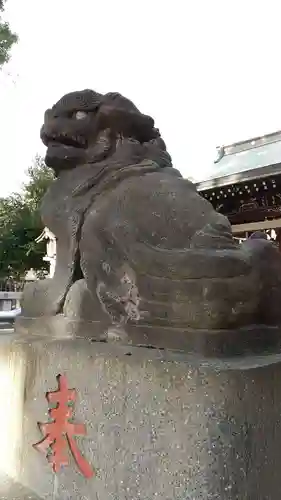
(207, 71)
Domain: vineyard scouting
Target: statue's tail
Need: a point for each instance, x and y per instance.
(202, 286)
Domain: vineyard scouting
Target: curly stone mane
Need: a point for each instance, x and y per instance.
(88, 127)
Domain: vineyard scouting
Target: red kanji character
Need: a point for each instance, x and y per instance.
(60, 432)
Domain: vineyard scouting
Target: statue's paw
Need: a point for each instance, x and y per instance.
(81, 305)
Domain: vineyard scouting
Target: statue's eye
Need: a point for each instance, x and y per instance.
(80, 115)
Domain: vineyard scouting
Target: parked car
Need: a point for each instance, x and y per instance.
(9, 316)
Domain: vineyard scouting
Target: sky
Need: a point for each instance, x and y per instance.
(207, 71)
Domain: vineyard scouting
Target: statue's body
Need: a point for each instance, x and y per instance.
(136, 244)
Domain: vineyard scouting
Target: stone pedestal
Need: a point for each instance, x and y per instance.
(160, 424)
(10, 490)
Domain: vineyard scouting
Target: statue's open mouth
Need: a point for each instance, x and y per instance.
(64, 151)
(64, 140)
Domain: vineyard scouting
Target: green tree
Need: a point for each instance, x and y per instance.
(39, 179)
(7, 37)
(20, 224)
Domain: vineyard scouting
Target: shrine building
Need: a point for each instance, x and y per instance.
(245, 185)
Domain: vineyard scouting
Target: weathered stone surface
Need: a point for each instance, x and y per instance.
(137, 248)
(157, 427)
(10, 490)
(143, 260)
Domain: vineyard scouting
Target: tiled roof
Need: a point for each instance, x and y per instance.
(247, 160)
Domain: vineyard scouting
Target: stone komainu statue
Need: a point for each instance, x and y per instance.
(138, 250)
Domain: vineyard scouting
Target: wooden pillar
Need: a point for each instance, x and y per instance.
(278, 238)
